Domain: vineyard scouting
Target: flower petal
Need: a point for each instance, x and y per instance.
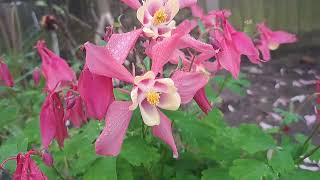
(119, 45)
(101, 62)
(117, 121)
(147, 75)
(228, 57)
(54, 68)
(173, 5)
(149, 113)
(245, 46)
(134, 99)
(97, 93)
(164, 85)
(265, 51)
(282, 37)
(76, 114)
(134, 4)
(164, 132)
(189, 41)
(162, 51)
(52, 124)
(5, 74)
(202, 100)
(170, 101)
(186, 3)
(188, 83)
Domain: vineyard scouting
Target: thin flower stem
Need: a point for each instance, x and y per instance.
(5, 162)
(123, 90)
(226, 78)
(193, 57)
(23, 76)
(58, 173)
(311, 135)
(308, 154)
(143, 130)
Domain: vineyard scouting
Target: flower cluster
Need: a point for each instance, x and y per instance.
(91, 96)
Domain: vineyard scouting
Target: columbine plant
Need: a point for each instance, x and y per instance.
(182, 66)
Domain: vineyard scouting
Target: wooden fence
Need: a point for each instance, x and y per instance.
(298, 16)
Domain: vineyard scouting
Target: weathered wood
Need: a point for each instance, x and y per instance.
(298, 16)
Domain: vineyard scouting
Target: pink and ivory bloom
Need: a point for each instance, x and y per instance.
(233, 44)
(5, 75)
(156, 16)
(149, 93)
(271, 40)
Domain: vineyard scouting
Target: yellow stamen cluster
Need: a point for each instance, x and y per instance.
(159, 17)
(153, 98)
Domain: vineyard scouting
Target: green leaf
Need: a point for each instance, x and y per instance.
(8, 115)
(103, 168)
(249, 169)
(201, 26)
(181, 175)
(212, 96)
(121, 95)
(288, 117)
(147, 63)
(237, 86)
(252, 139)
(124, 170)
(282, 161)
(216, 174)
(301, 175)
(136, 151)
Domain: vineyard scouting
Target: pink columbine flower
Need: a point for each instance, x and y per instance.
(233, 44)
(156, 16)
(149, 93)
(270, 40)
(5, 75)
(26, 168)
(36, 76)
(55, 69)
(52, 121)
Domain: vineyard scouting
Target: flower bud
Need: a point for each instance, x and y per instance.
(49, 22)
(36, 76)
(47, 158)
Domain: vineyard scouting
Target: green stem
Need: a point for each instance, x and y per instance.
(314, 131)
(143, 130)
(308, 154)
(312, 134)
(226, 79)
(58, 173)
